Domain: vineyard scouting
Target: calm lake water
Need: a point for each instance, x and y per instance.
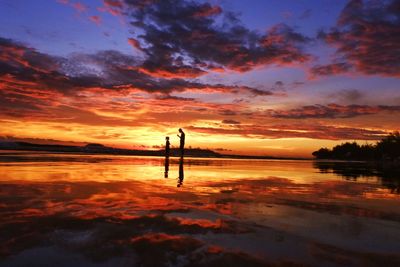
(84, 210)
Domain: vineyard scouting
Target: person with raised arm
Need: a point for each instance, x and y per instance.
(182, 141)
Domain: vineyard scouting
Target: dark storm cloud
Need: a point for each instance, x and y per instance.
(23, 67)
(28, 68)
(367, 36)
(332, 111)
(182, 39)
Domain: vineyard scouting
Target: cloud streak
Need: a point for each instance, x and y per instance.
(294, 131)
(332, 111)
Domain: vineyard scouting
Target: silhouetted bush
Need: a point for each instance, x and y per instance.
(386, 149)
(389, 147)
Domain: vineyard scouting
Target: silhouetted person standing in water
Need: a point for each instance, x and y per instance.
(182, 142)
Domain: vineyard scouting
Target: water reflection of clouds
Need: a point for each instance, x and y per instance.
(131, 206)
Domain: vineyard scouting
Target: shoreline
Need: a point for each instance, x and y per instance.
(189, 153)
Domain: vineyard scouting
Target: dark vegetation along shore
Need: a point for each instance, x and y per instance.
(353, 161)
(101, 149)
(386, 150)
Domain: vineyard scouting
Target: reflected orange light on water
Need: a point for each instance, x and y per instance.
(242, 199)
(114, 182)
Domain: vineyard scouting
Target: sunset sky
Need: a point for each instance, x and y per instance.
(265, 77)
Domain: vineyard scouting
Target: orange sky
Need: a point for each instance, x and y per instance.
(241, 84)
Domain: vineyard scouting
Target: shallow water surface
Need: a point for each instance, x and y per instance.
(98, 210)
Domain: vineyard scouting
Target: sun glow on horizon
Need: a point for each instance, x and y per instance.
(241, 84)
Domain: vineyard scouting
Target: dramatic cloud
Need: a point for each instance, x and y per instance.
(182, 39)
(82, 88)
(332, 111)
(24, 66)
(295, 131)
(367, 36)
(183, 65)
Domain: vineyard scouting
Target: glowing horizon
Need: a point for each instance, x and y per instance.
(277, 79)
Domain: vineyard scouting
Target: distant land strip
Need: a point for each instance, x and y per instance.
(101, 149)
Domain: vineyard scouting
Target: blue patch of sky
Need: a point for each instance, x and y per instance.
(59, 29)
(262, 14)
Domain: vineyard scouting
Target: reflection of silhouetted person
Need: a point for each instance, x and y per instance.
(182, 142)
(181, 175)
(166, 164)
(167, 146)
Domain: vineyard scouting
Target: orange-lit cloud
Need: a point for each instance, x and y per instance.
(95, 19)
(208, 10)
(331, 69)
(367, 38)
(294, 131)
(134, 43)
(332, 111)
(114, 7)
(79, 7)
(188, 73)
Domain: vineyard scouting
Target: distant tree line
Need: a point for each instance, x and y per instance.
(386, 149)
